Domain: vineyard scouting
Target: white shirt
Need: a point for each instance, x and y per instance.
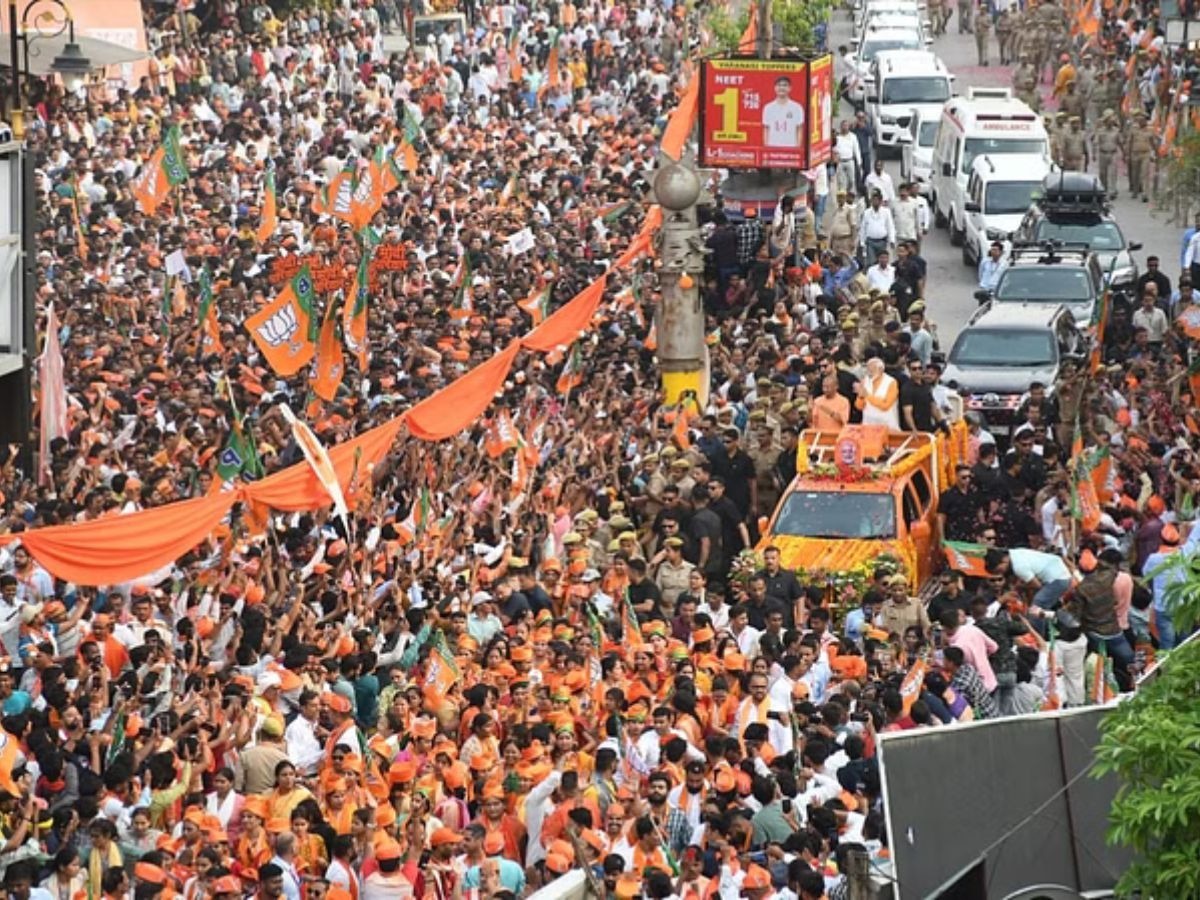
(877, 225)
(881, 277)
(783, 121)
(845, 148)
(882, 182)
(302, 745)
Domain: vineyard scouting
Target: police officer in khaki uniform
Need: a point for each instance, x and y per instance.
(1107, 144)
(983, 31)
(1085, 86)
(1025, 80)
(1055, 137)
(1072, 103)
(1004, 35)
(1141, 152)
(1074, 146)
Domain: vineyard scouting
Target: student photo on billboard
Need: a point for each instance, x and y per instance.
(783, 118)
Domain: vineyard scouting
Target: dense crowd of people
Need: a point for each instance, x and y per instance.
(470, 687)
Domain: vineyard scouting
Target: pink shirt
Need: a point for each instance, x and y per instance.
(977, 647)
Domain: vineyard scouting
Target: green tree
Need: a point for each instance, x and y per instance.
(1151, 742)
(1179, 186)
(727, 29)
(798, 22)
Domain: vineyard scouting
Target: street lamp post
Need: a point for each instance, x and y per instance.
(38, 20)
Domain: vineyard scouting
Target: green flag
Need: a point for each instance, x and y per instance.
(174, 164)
(239, 458)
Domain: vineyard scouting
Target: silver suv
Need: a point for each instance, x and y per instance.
(1051, 274)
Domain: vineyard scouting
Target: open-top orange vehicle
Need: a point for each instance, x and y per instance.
(863, 493)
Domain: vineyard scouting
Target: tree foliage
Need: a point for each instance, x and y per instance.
(797, 24)
(799, 21)
(1151, 742)
(727, 29)
(1181, 172)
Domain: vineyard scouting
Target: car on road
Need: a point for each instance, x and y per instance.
(1051, 274)
(999, 192)
(914, 13)
(986, 122)
(904, 83)
(1004, 348)
(876, 40)
(1072, 208)
(866, 495)
(916, 155)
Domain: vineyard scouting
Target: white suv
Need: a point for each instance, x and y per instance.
(999, 193)
(903, 82)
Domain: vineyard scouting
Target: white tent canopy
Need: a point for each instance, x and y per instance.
(43, 50)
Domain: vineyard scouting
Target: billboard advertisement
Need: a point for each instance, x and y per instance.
(820, 110)
(759, 113)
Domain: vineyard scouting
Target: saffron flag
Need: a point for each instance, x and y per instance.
(463, 305)
(572, 373)
(966, 558)
(354, 313)
(270, 217)
(318, 460)
(52, 395)
(336, 197)
(330, 364)
(502, 435)
(367, 197)
(553, 76)
(165, 169)
(515, 70)
(510, 190)
(910, 687)
(283, 328)
(537, 304)
(442, 671)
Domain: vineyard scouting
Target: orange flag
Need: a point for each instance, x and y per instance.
(502, 435)
(327, 374)
(270, 217)
(368, 193)
(151, 186)
(910, 687)
(282, 328)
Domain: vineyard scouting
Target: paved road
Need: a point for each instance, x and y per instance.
(951, 284)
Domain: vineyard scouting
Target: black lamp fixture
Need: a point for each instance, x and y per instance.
(71, 64)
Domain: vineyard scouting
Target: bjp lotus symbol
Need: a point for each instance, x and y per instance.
(281, 328)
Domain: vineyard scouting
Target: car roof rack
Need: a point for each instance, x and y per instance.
(1051, 251)
(1073, 193)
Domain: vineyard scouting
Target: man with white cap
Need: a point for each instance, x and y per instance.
(483, 624)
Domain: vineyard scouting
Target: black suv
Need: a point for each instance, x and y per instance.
(1004, 348)
(1072, 208)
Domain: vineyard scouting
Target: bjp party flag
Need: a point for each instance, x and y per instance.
(164, 170)
(283, 328)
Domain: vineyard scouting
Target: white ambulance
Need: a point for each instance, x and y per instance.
(986, 122)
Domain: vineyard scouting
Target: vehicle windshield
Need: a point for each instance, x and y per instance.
(1099, 234)
(1009, 196)
(916, 90)
(976, 147)
(980, 347)
(928, 134)
(1046, 284)
(873, 48)
(835, 514)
